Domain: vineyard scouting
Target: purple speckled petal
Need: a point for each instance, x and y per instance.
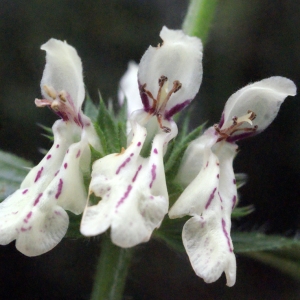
(201, 192)
(209, 248)
(133, 193)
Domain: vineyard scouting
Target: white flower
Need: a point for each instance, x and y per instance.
(35, 214)
(169, 77)
(206, 170)
(133, 192)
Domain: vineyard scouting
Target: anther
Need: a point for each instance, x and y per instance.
(234, 120)
(236, 126)
(63, 96)
(166, 129)
(50, 91)
(162, 80)
(176, 86)
(55, 105)
(252, 116)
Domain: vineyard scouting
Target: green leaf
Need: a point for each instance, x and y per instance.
(122, 115)
(122, 135)
(90, 109)
(13, 169)
(241, 179)
(95, 154)
(122, 125)
(170, 232)
(46, 128)
(239, 212)
(276, 251)
(254, 241)
(49, 132)
(102, 138)
(108, 125)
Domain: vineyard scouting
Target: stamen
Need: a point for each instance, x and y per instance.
(236, 123)
(55, 105)
(176, 87)
(63, 96)
(160, 102)
(50, 91)
(162, 80)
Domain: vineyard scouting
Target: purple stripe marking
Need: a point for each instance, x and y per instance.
(211, 197)
(80, 120)
(144, 98)
(218, 175)
(139, 144)
(25, 191)
(153, 174)
(177, 108)
(220, 197)
(57, 146)
(155, 151)
(234, 181)
(25, 229)
(226, 234)
(37, 200)
(234, 138)
(65, 165)
(38, 175)
(27, 217)
(78, 154)
(49, 156)
(233, 202)
(59, 188)
(123, 165)
(136, 173)
(124, 196)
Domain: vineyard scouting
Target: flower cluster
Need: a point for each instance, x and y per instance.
(130, 188)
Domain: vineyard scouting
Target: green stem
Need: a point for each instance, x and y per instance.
(199, 17)
(111, 271)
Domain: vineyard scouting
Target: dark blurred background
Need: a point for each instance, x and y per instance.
(249, 41)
